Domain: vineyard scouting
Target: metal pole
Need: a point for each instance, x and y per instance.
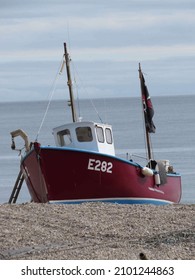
(146, 131)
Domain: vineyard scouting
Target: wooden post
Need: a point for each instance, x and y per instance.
(69, 83)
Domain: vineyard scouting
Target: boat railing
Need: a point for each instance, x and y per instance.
(132, 156)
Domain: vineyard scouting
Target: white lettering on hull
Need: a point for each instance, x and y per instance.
(98, 165)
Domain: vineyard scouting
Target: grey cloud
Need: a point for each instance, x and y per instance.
(107, 40)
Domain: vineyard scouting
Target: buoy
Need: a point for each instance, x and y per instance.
(157, 179)
(147, 171)
(157, 176)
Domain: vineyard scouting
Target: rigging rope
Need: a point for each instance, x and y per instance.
(53, 87)
(75, 70)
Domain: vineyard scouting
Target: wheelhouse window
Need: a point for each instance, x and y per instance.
(100, 134)
(84, 134)
(64, 137)
(108, 135)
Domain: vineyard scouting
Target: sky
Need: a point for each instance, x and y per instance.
(106, 40)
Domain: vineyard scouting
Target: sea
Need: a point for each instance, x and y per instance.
(174, 139)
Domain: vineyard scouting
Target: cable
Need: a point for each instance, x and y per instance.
(53, 87)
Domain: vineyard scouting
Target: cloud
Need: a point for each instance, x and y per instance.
(131, 53)
(113, 33)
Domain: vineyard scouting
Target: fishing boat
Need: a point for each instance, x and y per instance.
(83, 165)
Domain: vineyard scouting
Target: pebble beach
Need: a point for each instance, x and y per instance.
(92, 231)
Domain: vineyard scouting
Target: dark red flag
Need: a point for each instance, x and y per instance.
(147, 106)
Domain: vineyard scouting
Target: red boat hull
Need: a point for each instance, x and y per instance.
(62, 175)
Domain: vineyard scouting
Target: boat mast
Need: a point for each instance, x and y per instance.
(149, 152)
(69, 83)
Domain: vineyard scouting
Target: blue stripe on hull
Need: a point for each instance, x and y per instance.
(115, 157)
(115, 200)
